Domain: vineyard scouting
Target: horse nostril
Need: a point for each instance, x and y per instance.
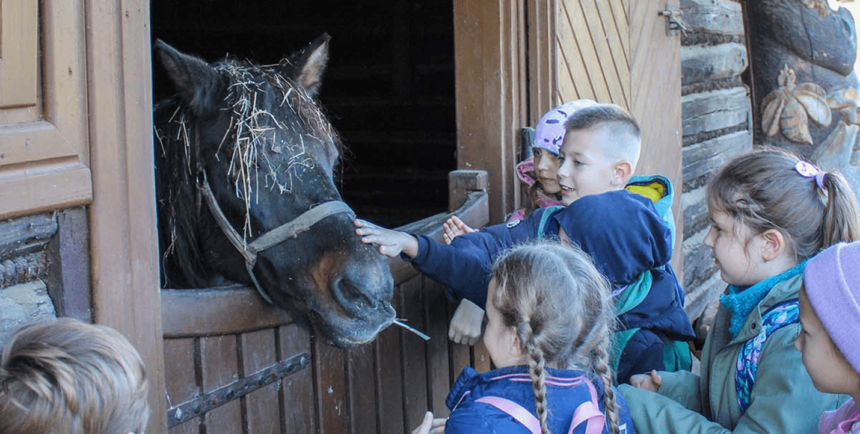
(350, 297)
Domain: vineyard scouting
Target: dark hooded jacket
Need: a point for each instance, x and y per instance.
(624, 234)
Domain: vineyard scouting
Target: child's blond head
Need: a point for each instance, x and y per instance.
(69, 377)
(622, 131)
(560, 307)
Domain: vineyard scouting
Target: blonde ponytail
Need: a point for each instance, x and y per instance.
(840, 214)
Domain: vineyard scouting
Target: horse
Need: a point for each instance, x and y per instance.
(245, 184)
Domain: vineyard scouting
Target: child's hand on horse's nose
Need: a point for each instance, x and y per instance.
(372, 234)
(366, 230)
(364, 227)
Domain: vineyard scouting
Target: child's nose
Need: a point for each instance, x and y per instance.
(709, 238)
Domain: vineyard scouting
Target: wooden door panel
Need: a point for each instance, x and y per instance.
(578, 55)
(614, 21)
(592, 52)
(655, 74)
(18, 53)
(43, 124)
(262, 409)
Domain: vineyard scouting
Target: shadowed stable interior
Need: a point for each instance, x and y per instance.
(388, 88)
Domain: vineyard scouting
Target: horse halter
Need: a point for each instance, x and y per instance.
(273, 237)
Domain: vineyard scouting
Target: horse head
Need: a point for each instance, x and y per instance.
(250, 143)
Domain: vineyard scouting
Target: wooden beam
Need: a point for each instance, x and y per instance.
(124, 239)
(217, 311)
(489, 74)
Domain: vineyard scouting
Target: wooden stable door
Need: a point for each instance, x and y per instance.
(516, 60)
(621, 52)
(43, 117)
(76, 131)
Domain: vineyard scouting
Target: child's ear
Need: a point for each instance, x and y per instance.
(516, 349)
(774, 244)
(622, 173)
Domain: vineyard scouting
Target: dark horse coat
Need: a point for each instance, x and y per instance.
(256, 135)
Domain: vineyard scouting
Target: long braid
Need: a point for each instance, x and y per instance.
(537, 372)
(602, 369)
(596, 343)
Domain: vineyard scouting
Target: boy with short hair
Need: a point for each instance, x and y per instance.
(66, 376)
(624, 223)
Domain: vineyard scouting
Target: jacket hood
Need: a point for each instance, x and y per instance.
(630, 232)
(659, 189)
(623, 232)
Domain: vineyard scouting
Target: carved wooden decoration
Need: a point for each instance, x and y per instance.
(805, 91)
(847, 103)
(790, 108)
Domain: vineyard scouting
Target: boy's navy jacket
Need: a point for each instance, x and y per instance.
(566, 390)
(625, 236)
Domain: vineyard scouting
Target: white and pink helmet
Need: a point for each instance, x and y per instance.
(549, 133)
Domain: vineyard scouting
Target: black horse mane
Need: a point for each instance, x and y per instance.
(251, 127)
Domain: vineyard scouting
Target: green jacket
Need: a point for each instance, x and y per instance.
(783, 399)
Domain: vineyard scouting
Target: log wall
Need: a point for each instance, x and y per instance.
(716, 122)
(44, 269)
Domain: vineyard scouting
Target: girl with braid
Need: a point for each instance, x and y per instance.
(548, 335)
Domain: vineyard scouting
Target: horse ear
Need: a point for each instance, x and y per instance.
(310, 64)
(195, 81)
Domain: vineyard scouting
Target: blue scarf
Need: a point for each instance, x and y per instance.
(740, 301)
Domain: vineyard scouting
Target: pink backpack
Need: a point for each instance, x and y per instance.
(588, 412)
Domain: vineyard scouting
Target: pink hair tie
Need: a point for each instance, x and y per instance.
(808, 170)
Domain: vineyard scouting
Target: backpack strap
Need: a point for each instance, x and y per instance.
(588, 412)
(516, 411)
(777, 317)
(544, 219)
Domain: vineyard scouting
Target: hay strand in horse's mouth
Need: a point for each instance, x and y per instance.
(407, 327)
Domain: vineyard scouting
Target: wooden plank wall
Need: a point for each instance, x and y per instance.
(383, 387)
